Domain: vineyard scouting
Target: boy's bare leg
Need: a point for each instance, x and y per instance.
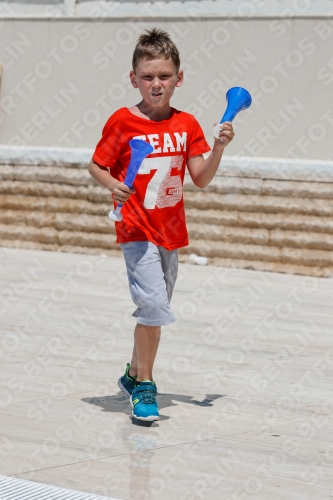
(146, 340)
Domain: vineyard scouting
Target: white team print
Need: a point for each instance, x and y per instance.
(165, 188)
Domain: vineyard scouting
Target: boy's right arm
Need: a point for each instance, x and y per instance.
(119, 190)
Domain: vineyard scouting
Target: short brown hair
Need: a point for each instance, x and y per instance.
(155, 45)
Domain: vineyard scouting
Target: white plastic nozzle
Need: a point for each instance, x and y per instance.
(216, 131)
(116, 214)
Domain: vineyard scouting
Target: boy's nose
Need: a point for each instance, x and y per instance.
(156, 82)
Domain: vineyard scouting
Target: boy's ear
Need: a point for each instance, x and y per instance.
(133, 79)
(180, 78)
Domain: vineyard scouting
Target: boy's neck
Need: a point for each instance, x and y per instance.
(155, 114)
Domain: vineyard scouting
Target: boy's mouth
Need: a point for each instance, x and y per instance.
(157, 94)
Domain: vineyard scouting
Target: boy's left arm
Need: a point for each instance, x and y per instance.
(202, 171)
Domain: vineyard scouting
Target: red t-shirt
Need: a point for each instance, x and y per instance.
(156, 211)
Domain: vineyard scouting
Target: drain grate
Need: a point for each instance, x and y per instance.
(20, 489)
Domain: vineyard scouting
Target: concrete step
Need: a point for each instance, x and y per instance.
(54, 205)
(261, 220)
(59, 221)
(288, 255)
(274, 237)
(52, 236)
(265, 187)
(63, 191)
(262, 204)
(60, 175)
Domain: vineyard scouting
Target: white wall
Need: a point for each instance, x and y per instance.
(62, 78)
(175, 8)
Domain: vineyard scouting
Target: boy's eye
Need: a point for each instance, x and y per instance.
(162, 77)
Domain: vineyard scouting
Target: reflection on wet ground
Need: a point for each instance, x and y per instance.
(140, 448)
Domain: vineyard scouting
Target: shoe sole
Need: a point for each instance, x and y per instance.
(122, 388)
(152, 418)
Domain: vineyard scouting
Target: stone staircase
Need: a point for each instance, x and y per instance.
(264, 214)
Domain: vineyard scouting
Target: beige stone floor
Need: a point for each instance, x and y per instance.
(244, 376)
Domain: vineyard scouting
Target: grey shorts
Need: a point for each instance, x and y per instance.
(152, 273)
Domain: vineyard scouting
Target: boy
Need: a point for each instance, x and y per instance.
(153, 225)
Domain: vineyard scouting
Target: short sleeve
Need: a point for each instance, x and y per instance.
(108, 149)
(198, 144)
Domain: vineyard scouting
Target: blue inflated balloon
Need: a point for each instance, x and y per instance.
(237, 99)
(139, 150)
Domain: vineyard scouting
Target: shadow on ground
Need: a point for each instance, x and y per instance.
(119, 403)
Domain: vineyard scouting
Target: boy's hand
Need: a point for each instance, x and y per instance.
(121, 192)
(226, 135)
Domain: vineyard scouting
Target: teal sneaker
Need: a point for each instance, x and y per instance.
(143, 401)
(126, 382)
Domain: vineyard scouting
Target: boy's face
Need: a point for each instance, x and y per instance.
(156, 79)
